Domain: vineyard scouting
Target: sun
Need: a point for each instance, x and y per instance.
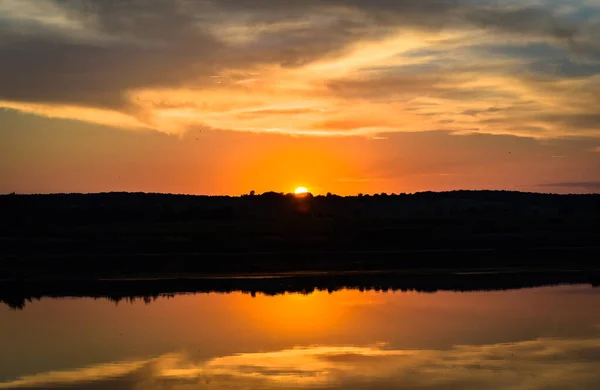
(301, 190)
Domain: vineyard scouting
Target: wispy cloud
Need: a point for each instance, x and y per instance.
(528, 69)
(587, 185)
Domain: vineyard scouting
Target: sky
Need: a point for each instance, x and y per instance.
(344, 96)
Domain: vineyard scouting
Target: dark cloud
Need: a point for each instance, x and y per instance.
(524, 20)
(156, 44)
(152, 46)
(386, 85)
(525, 50)
(587, 185)
(564, 68)
(92, 75)
(406, 82)
(97, 53)
(163, 43)
(590, 121)
(474, 112)
(426, 13)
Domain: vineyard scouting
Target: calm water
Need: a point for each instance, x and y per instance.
(539, 338)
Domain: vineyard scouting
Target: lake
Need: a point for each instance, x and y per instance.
(531, 338)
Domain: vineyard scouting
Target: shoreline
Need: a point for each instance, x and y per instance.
(17, 293)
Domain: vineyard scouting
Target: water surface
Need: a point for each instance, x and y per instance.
(534, 338)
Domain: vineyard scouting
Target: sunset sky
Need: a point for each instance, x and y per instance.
(347, 96)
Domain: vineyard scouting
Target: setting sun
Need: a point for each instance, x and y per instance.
(301, 190)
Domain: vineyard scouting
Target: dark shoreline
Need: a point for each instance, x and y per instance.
(88, 244)
(16, 293)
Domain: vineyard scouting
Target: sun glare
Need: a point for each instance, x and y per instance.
(301, 190)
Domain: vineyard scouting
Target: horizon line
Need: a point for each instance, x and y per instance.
(331, 194)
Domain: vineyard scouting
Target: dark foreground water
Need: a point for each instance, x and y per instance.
(534, 338)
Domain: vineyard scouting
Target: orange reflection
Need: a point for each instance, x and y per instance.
(296, 314)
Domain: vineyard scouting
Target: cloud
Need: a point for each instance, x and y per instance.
(587, 185)
(329, 67)
(565, 364)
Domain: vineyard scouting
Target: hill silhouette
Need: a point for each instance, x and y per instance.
(119, 234)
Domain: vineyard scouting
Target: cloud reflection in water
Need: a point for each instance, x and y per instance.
(560, 363)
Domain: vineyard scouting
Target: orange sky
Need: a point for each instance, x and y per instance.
(339, 96)
(64, 156)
